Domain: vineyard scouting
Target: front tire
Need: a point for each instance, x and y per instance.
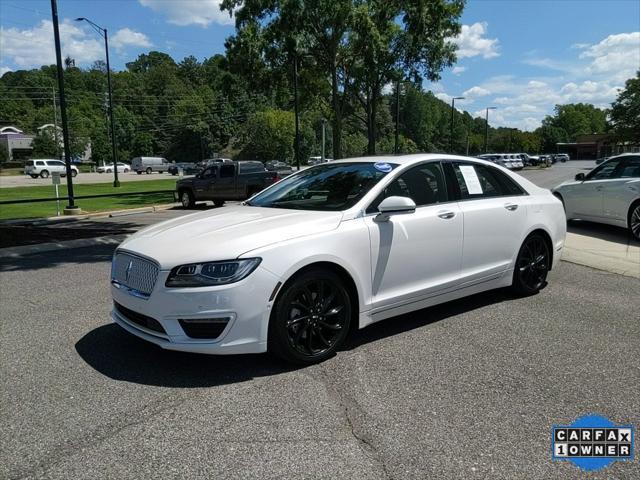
(186, 199)
(310, 318)
(218, 203)
(148, 170)
(532, 266)
(44, 174)
(74, 173)
(634, 221)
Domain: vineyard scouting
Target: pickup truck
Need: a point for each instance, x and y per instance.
(225, 181)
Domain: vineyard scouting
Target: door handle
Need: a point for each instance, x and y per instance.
(447, 215)
(511, 206)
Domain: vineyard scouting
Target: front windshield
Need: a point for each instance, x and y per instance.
(328, 187)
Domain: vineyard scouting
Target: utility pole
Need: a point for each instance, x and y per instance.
(71, 206)
(296, 145)
(324, 126)
(55, 122)
(396, 148)
(453, 103)
(486, 128)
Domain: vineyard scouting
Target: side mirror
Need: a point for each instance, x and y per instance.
(394, 206)
(580, 177)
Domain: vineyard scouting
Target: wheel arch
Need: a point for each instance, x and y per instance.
(632, 205)
(344, 275)
(547, 240)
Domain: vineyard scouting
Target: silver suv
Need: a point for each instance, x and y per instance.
(45, 167)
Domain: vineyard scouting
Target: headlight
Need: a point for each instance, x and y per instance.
(211, 273)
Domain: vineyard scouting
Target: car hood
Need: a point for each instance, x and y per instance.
(226, 233)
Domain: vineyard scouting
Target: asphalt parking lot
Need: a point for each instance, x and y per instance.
(469, 389)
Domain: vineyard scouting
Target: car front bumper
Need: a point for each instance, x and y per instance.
(245, 304)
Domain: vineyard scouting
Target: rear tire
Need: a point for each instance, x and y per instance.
(138, 172)
(74, 173)
(34, 176)
(186, 199)
(310, 318)
(634, 221)
(218, 203)
(44, 173)
(532, 266)
(148, 170)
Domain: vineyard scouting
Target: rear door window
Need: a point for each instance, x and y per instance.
(630, 168)
(226, 171)
(481, 181)
(40, 163)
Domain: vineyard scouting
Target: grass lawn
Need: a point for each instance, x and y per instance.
(89, 205)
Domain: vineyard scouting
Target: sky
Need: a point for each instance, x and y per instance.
(521, 56)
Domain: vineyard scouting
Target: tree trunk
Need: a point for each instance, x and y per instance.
(337, 114)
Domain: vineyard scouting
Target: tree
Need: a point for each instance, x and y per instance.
(44, 146)
(269, 135)
(625, 111)
(570, 121)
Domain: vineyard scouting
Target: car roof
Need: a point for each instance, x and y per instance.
(410, 158)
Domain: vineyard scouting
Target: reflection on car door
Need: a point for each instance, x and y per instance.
(203, 184)
(616, 191)
(494, 213)
(586, 198)
(416, 255)
(225, 185)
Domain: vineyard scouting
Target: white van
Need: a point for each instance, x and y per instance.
(149, 164)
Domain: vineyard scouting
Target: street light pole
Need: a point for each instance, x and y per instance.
(396, 148)
(486, 128)
(71, 206)
(453, 104)
(295, 105)
(324, 126)
(103, 32)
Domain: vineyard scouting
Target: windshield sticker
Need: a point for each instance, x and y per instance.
(383, 167)
(471, 179)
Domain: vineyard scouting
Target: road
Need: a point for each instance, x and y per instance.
(469, 389)
(464, 390)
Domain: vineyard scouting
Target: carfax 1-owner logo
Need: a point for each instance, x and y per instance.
(592, 442)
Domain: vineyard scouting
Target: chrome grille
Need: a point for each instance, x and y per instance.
(134, 272)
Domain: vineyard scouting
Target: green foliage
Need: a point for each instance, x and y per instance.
(569, 121)
(625, 111)
(44, 146)
(269, 136)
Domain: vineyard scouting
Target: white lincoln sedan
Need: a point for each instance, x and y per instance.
(332, 249)
(610, 193)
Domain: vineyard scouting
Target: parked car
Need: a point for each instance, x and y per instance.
(316, 160)
(562, 157)
(108, 168)
(282, 168)
(44, 167)
(334, 248)
(225, 181)
(507, 160)
(187, 168)
(610, 193)
(149, 164)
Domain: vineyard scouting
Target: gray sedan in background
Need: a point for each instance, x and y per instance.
(610, 193)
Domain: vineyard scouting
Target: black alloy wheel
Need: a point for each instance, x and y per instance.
(532, 265)
(311, 318)
(634, 222)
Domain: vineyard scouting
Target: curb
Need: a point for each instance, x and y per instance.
(13, 252)
(71, 218)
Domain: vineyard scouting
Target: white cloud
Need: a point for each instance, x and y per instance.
(125, 37)
(617, 55)
(458, 70)
(443, 96)
(472, 42)
(33, 47)
(476, 92)
(4, 70)
(190, 12)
